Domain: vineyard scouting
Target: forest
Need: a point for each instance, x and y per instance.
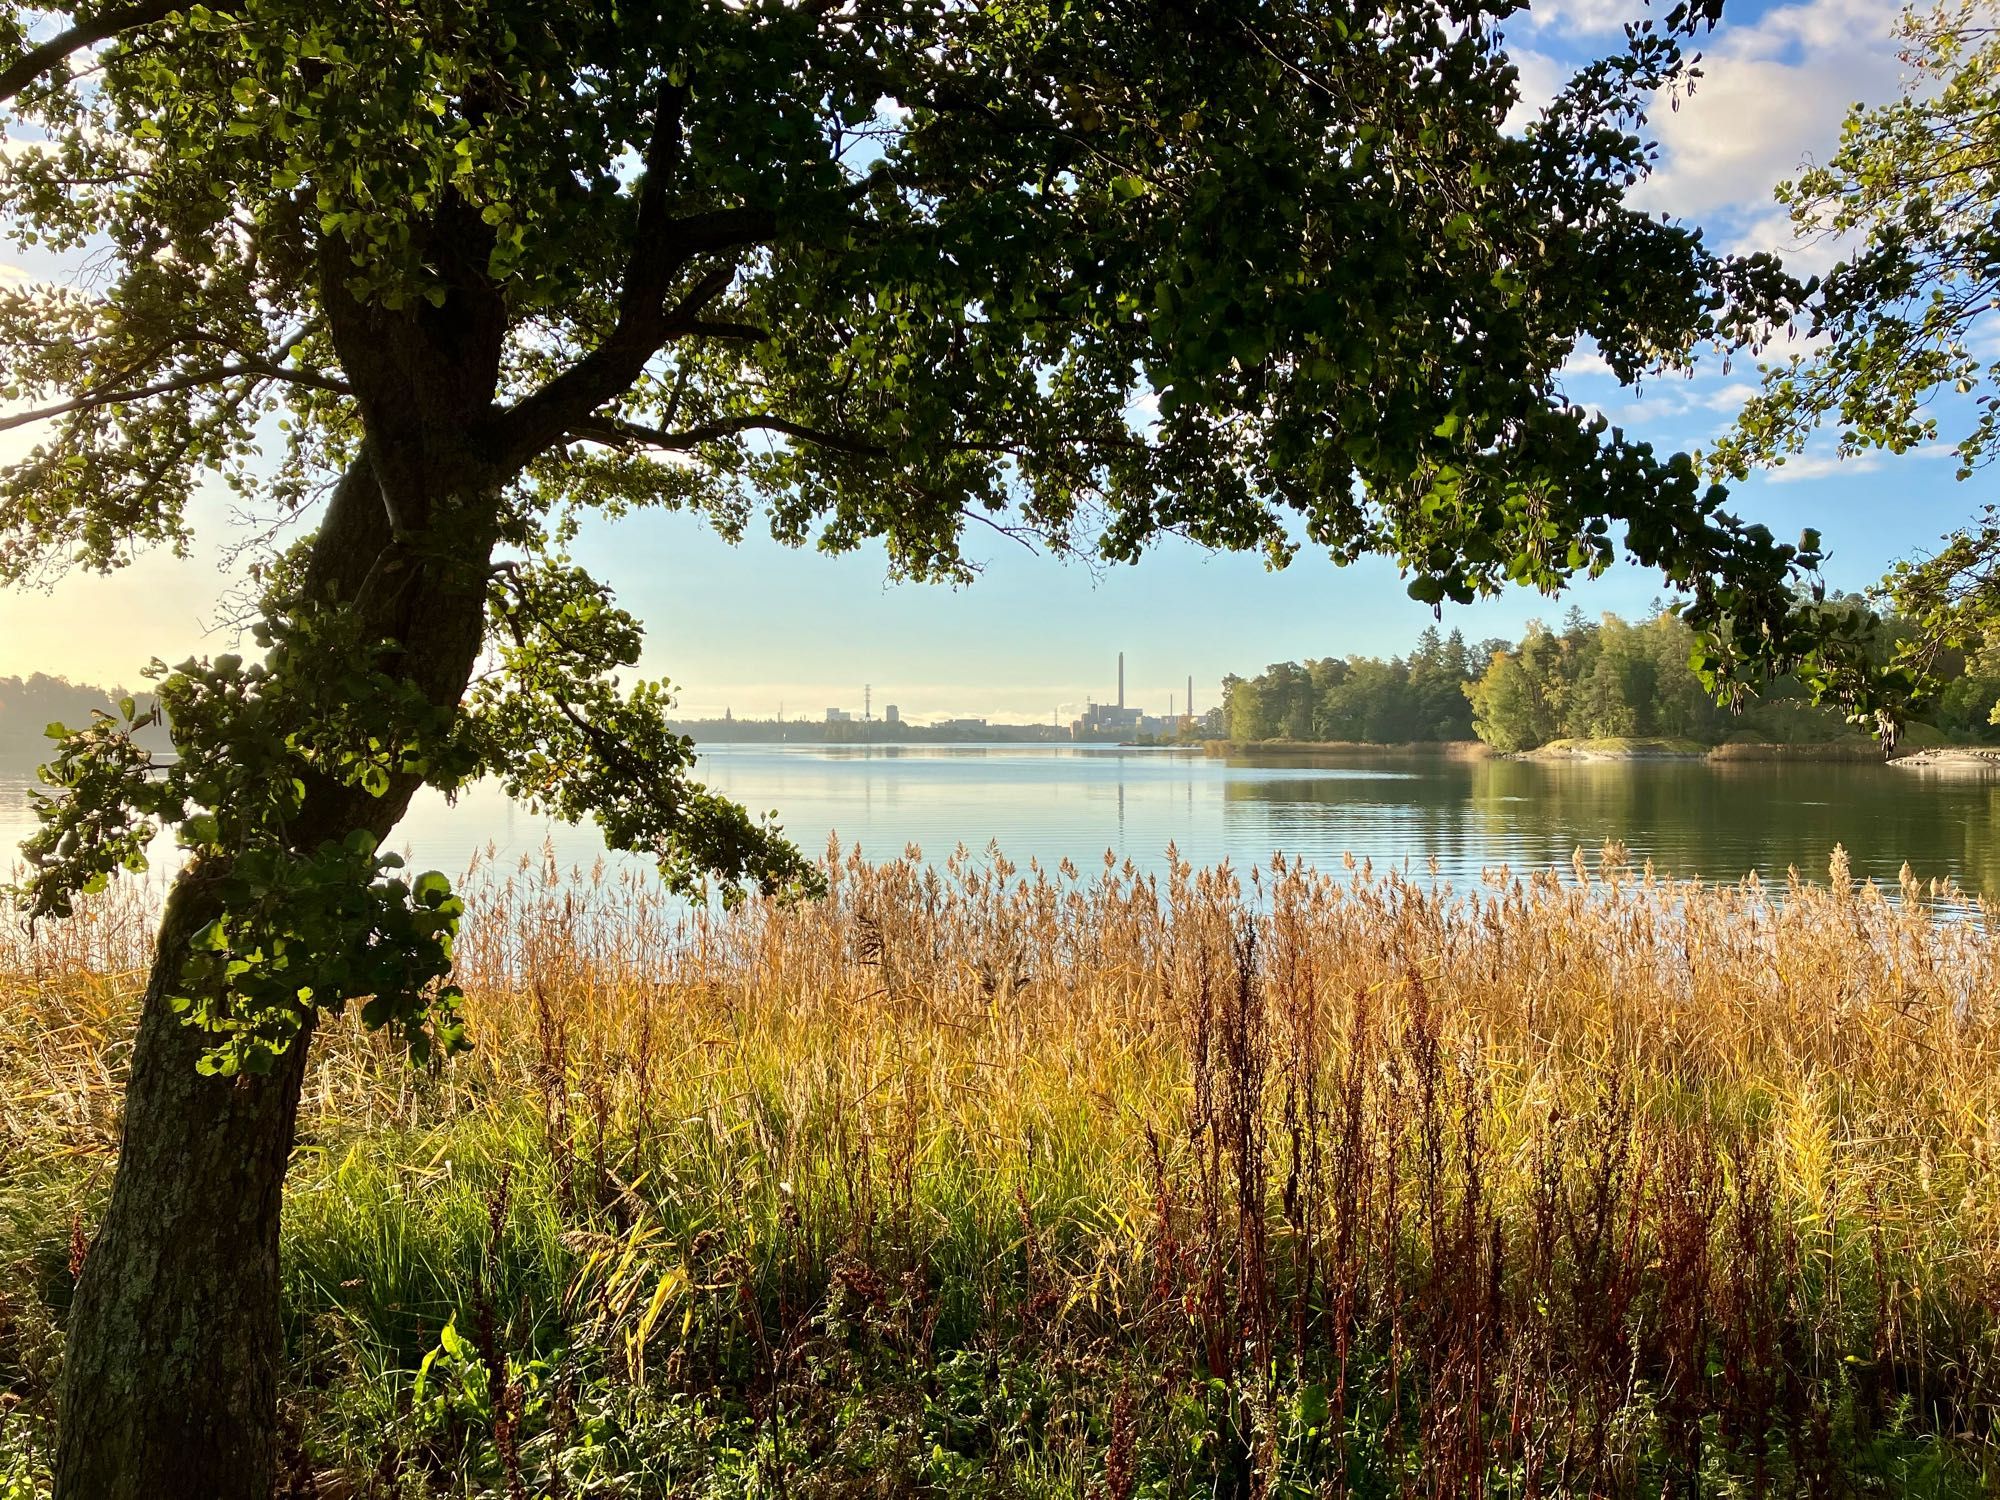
(28, 705)
(1589, 680)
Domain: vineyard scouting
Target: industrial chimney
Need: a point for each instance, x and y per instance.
(1121, 679)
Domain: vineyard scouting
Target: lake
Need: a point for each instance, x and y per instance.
(1717, 821)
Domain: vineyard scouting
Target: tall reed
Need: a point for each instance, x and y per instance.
(978, 1179)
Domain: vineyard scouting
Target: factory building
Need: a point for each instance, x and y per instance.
(1114, 721)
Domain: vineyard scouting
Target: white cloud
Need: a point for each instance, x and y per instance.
(1773, 232)
(1583, 17)
(1542, 77)
(1728, 398)
(1586, 362)
(1821, 465)
(1771, 96)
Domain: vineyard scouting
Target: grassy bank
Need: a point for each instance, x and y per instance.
(987, 1183)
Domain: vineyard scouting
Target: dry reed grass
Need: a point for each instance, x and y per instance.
(1579, 1183)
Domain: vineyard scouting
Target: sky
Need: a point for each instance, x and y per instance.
(758, 628)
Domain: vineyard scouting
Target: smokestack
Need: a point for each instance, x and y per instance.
(1190, 696)
(1121, 679)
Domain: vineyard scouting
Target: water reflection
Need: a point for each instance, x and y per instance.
(1692, 819)
(1051, 803)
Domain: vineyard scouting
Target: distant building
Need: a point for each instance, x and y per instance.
(960, 724)
(1106, 721)
(891, 715)
(1110, 721)
(839, 716)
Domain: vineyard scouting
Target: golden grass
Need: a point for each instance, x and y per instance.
(1585, 1132)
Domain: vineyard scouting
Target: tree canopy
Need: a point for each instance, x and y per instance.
(1415, 698)
(881, 270)
(1618, 679)
(1896, 334)
(431, 285)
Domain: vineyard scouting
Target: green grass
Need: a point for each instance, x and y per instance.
(983, 1187)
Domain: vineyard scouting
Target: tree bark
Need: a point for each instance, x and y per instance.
(170, 1372)
(171, 1368)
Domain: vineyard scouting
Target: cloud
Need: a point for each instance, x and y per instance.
(1728, 398)
(1823, 465)
(1773, 232)
(1771, 95)
(1582, 17)
(1542, 77)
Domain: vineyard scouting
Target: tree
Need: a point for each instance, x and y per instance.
(1508, 711)
(1898, 328)
(1603, 709)
(435, 284)
(1249, 717)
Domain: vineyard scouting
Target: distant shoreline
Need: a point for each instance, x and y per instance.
(1848, 752)
(1966, 758)
(1972, 758)
(1433, 749)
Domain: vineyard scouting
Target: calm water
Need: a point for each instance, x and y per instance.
(1050, 803)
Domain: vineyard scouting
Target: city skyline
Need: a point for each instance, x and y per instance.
(1178, 698)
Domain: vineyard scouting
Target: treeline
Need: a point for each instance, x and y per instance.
(1419, 697)
(28, 705)
(1611, 679)
(1589, 680)
(1603, 679)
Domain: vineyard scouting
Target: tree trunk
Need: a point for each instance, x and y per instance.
(170, 1377)
(171, 1368)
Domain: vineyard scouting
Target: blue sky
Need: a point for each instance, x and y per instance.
(756, 626)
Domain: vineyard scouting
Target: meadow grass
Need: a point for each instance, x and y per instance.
(986, 1181)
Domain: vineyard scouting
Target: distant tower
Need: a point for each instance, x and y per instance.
(892, 715)
(1121, 679)
(867, 703)
(1190, 696)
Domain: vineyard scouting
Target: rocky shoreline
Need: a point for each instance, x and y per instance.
(1972, 758)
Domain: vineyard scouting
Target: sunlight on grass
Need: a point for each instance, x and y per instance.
(988, 1180)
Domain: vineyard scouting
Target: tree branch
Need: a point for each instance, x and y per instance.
(707, 328)
(93, 399)
(620, 434)
(647, 273)
(544, 416)
(36, 61)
